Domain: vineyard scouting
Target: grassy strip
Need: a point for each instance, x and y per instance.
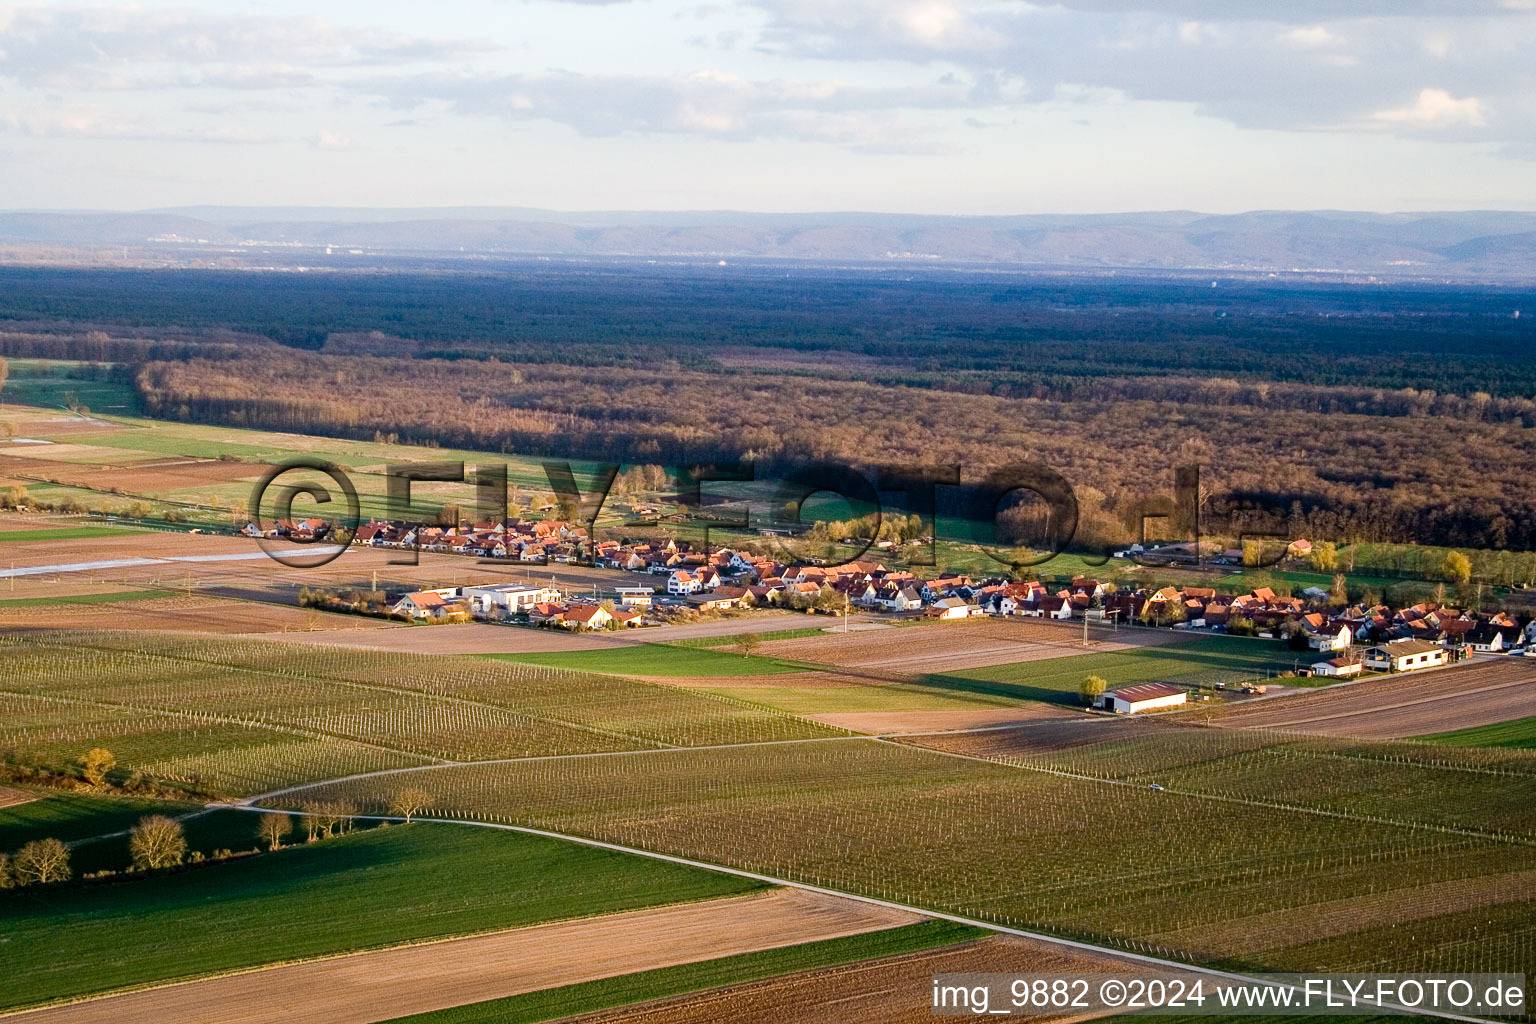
(66, 532)
(1199, 661)
(369, 889)
(108, 598)
(655, 660)
(1519, 734)
(608, 993)
(735, 638)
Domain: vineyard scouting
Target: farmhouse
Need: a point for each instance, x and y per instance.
(586, 616)
(1405, 655)
(1144, 697)
(428, 604)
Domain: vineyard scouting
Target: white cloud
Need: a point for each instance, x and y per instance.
(707, 102)
(95, 123)
(64, 47)
(1309, 36)
(1435, 108)
(325, 139)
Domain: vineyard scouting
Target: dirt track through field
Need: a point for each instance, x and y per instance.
(366, 987)
(1403, 705)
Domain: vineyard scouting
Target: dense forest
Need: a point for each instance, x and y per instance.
(1369, 412)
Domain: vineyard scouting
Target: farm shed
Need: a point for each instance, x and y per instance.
(1144, 697)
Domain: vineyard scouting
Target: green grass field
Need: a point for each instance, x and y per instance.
(1519, 734)
(110, 597)
(74, 816)
(655, 660)
(698, 977)
(368, 889)
(44, 383)
(67, 533)
(95, 826)
(1198, 661)
(734, 639)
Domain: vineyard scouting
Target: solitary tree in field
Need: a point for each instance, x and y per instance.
(1458, 567)
(41, 861)
(157, 842)
(409, 802)
(95, 765)
(747, 643)
(273, 827)
(1091, 689)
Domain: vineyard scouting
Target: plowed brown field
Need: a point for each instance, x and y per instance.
(1490, 690)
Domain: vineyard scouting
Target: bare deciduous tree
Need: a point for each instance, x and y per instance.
(41, 861)
(409, 802)
(157, 842)
(273, 827)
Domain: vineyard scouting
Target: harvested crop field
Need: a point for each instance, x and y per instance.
(181, 613)
(1389, 707)
(874, 992)
(382, 985)
(890, 722)
(950, 646)
(145, 476)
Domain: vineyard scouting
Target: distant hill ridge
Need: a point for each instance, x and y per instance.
(1462, 244)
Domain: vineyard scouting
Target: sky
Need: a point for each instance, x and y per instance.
(910, 106)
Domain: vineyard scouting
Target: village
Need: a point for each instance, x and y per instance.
(1344, 640)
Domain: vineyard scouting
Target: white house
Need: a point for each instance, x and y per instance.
(1327, 639)
(586, 616)
(683, 582)
(1338, 668)
(949, 608)
(1405, 656)
(426, 604)
(1132, 700)
(899, 599)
